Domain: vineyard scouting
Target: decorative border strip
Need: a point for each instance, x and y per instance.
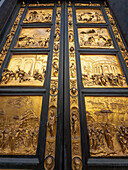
(10, 37)
(117, 36)
(74, 106)
(52, 112)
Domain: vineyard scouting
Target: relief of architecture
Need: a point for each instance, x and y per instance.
(25, 70)
(19, 124)
(107, 120)
(101, 71)
(38, 16)
(89, 16)
(33, 38)
(94, 38)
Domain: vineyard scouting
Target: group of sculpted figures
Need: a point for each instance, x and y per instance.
(103, 80)
(38, 16)
(25, 41)
(94, 38)
(90, 17)
(21, 139)
(108, 141)
(21, 76)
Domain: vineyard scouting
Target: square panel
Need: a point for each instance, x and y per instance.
(107, 121)
(89, 16)
(19, 124)
(38, 16)
(33, 38)
(94, 38)
(101, 71)
(25, 70)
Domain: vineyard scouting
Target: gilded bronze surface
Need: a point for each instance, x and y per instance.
(9, 37)
(117, 36)
(49, 162)
(107, 120)
(94, 38)
(33, 38)
(19, 124)
(89, 16)
(101, 71)
(25, 70)
(40, 4)
(87, 4)
(74, 106)
(38, 16)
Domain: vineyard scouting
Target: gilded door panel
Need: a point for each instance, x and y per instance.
(107, 120)
(38, 16)
(33, 38)
(19, 125)
(94, 38)
(25, 70)
(89, 16)
(101, 71)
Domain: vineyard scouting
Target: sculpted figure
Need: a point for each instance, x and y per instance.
(75, 123)
(108, 137)
(51, 123)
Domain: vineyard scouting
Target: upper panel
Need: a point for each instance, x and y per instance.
(101, 71)
(33, 38)
(38, 16)
(94, 38)
(25, 70)
(89, 16)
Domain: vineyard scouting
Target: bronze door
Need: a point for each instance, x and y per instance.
(63, 88)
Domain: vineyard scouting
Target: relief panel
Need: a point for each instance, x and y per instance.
(19, 125)
(101, 71)
(107, 120)
(89, 16)
(33, 38)
(25, 70)
(38, 16)
(94, 38)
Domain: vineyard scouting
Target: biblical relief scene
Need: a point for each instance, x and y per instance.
(19, 124)
(89, 16)
(25, 70)
(33, 38)
(107, 120)
(101, 71)
(94, 38)
(38, 16)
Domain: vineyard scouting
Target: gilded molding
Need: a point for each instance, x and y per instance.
(74, 106)
(10, 36)
(49, 161)
(117, 36)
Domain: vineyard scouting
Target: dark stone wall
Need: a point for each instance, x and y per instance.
(5, 13)
(120, 10)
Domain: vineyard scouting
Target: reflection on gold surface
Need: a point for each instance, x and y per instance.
(89, 16)
(33, 38)
(19, 124)
(107, 120)
(38, 16)
(94, 38)
(25, 70)
(101, 71)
